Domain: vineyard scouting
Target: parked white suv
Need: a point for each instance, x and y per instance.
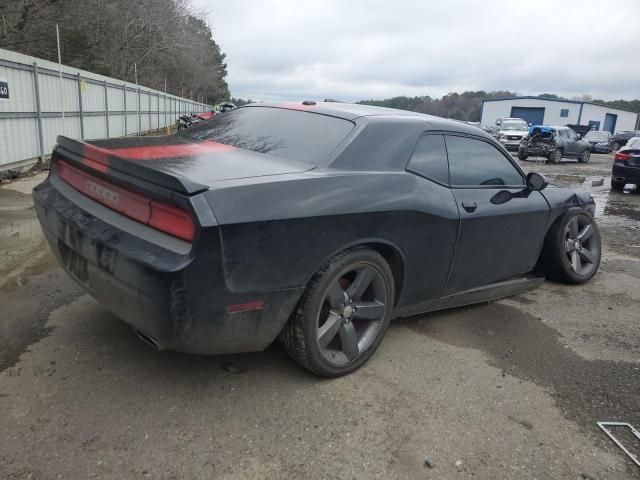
(511, 131)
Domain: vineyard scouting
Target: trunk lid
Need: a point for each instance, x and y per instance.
(176, 164)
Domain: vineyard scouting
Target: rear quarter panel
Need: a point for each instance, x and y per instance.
(278, 233)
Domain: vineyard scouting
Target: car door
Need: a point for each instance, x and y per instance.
(495, 241)
(573, 145)
(432, 245)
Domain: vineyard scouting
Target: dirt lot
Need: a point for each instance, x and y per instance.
(509, 389)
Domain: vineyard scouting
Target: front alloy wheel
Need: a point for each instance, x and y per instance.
(582, 251)
(342, 315)
(572, 249)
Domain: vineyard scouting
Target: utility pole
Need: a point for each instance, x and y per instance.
(166, 126)
(60, 77)
(135, 75)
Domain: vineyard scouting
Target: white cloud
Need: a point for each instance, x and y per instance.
(355, 49)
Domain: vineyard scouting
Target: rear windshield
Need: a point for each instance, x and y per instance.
(293, 134)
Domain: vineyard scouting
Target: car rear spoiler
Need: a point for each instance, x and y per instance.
(104, 161)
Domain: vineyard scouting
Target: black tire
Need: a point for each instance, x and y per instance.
(558, 256)
(522, 155)
(616, 146)
(555, 156)
(585, 157)
(302, 335)
(617, 186)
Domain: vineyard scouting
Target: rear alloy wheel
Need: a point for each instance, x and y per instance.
(572, 249)
(617, 186)
(343, 314)
(555, 156)
(585, 157)
(522, 155)
(615, 146)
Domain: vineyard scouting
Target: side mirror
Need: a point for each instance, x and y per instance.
(498, 123)
(536, 182)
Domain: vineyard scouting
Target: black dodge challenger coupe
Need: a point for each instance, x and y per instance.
(317, 223)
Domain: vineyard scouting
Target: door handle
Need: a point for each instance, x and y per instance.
(470, 206)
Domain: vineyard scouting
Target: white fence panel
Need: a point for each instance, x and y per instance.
(94, 106)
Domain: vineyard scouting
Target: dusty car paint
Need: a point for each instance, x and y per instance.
(266, 224)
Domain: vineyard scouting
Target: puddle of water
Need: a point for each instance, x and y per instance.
(624, 206)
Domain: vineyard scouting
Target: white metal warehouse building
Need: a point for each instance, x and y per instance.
(544, 111)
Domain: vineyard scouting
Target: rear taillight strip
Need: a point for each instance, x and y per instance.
(621, 157)
(161, 216)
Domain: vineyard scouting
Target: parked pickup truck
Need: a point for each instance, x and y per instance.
(511, 131)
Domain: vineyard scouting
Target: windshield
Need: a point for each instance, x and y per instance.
(299, 135)
(598, 136)
(514, 126)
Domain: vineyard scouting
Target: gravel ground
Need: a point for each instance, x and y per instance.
(508, 389)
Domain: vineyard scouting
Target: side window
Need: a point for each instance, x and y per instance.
(564, 112)
(563, 134)
(572, 135)
(474, 162)
(430, 158)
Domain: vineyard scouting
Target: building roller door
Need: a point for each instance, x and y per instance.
(532, 115)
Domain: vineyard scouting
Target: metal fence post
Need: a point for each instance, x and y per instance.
(80, 106)
(139, 121)
(38, 111)
(158, 97)
(124, 106)
(106, 106)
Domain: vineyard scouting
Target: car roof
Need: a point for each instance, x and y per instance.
(352, 111)
(348, 111)
(631, 144)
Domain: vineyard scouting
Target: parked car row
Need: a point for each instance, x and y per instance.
(626, 165)
(600, 142)
(186, 121)
(605, 142)
(620, 139)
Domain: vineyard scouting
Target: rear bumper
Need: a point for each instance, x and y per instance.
(536, 151)
(600, 148)
(177, 298)
(625, 173)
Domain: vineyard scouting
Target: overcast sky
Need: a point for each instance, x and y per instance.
(357, 49)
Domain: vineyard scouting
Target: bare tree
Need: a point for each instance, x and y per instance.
(163, 38)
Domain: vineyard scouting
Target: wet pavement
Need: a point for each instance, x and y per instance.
(507, 389)
(618, 213)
